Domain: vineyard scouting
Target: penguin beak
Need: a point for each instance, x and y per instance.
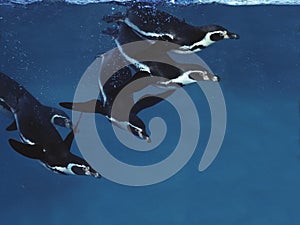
(204, 76)
(144, 136)
(233, 35)
(148, 139)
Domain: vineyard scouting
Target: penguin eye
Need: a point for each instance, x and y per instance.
(217, 36)
(86, 168)
(68, 123)
(78, 170)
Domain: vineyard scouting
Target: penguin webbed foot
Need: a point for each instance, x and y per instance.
(114, 18)
(111, 31)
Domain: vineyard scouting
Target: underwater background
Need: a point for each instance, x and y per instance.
(255, 179)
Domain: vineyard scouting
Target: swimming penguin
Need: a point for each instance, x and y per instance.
(179, 73)
(40, 139)
(161, 75)
(152, 24)
(10, 94)
(103, 106)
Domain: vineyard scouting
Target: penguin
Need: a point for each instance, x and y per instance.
(177, 75)
(152, 24)
(133, 124)
(181, 74)
(162, 75)
(40, 139)
(11, 91)
(111, 89)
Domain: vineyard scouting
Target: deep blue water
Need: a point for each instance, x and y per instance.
(254, 180)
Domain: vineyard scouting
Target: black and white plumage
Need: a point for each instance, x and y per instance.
(152, 24)
(40, 139)
(143, 23)
(118, 117)
(177, 73)
(181, 74)
(166, 77)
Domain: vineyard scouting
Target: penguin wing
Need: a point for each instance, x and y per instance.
(141, 84)
(30, 151)
(147, 101)
(70, 137)
(4, 105)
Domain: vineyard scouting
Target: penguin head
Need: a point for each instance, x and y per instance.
(83, 169)
(199, 75)
(205, 36)
(62, 121)
(59, 117)
(76, 167)
(138, 128)
(217, 33)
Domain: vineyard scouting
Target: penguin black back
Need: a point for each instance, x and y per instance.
(35, 125)
(151, 23)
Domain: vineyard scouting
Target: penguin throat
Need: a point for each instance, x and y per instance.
(198, 46)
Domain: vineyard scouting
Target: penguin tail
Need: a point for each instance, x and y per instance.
(111, 31)
(114, 18)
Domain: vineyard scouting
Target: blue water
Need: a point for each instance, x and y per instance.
(254, 180)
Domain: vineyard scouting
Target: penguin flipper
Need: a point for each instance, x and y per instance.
(12, 126)
(70, 137)
(143, 84)
(91, 106)
(147, 101)
(30, 151)
(140, 74)
(4, 105)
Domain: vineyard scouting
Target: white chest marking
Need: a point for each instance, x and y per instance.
(206, 41)
(123, 124)
(184, 78)
(66, 170)
(100, 84)
(57, 116)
